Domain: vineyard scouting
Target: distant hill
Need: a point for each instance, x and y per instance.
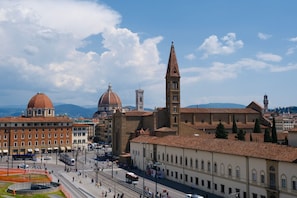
(74, 111)
(217, 105)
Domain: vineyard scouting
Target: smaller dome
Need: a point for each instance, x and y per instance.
(109, 98)
(40, 101)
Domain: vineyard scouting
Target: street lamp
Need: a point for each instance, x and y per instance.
(156, 164)
(8, 154)
(143, 156)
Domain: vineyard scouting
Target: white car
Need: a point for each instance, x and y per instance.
(24, 166)
(193, 196)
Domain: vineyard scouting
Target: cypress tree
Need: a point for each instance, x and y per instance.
(273, 132)
(267, 137)
(234, 126)
(257, 128)
(221, 132)
(241, 135)
(251, 137)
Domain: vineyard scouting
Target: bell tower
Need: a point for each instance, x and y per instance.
(173, 91)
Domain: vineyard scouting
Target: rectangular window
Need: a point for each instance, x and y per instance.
(222, 188)
(284, 183)
(294, 185)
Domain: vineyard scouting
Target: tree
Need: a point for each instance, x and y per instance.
(267, 137)
(251, 137)
(273, 132)
(241, 135)
(234, 126)
(221, 132)
(257, 128)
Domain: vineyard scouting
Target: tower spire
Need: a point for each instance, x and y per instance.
(173, 91)
(172, 68)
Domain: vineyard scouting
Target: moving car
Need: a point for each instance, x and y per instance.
(24, 166)
(193, 196)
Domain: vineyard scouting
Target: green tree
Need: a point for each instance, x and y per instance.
(257, 128)
(273, 132)
(234, 126)
(251, 137)
(241, 135)
(221, 132)
(267, 137)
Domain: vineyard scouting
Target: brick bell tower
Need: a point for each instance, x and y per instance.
(173, 91)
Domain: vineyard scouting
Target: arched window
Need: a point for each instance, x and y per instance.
(254, 175)
(237, 172)
(283, 181)
(272, 178)
(215, 168)
(222, 169)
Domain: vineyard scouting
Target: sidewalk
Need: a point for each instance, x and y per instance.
(86, 184)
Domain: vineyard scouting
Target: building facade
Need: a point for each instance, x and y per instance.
(221, 167)
(40, 131)
(175, 120)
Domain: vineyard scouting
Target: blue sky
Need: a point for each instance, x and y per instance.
(228, 51)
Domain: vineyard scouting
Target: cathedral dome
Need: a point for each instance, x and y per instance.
(40, 105)
(40, 100)
(108, 102)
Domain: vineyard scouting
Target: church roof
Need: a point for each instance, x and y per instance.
(40, 101)
(260, 150)
(172, 68)
(109, 98)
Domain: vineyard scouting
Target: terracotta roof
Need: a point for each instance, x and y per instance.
(241, 148)
(138, 113)
(217, 110)
(109, 98)
(40, 101)
(36, 119)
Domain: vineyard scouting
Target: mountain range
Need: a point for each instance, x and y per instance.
(75, 111)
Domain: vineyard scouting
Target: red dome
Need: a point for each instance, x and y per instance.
(109, 98)
(40, 101)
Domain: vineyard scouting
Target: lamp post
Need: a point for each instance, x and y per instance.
(143, 156)
(156, 164)
(8, 154)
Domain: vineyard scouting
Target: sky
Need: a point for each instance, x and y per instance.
(228, 51)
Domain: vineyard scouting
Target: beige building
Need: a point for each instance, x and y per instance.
(220, 167)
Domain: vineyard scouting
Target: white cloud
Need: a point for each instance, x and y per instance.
(226, 45)
(291, 50)
(39, 50)
(269, 57)
(263, 36)
(294, 39)
(190, 56)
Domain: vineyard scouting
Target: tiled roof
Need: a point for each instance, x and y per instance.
(36, 119)
(138, 113)
(40, 101)
(217, 110)
(241, 148)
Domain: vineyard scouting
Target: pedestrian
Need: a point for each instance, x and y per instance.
(58, 181)
(73, 179)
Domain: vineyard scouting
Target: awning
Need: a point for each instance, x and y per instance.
(30, 150)
(62, 148)
(5, 151)
(36, 149)
(49, 149)
(68, 147)
(56, 148)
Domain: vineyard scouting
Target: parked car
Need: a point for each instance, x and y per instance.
(193, 196)
(24, 166)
